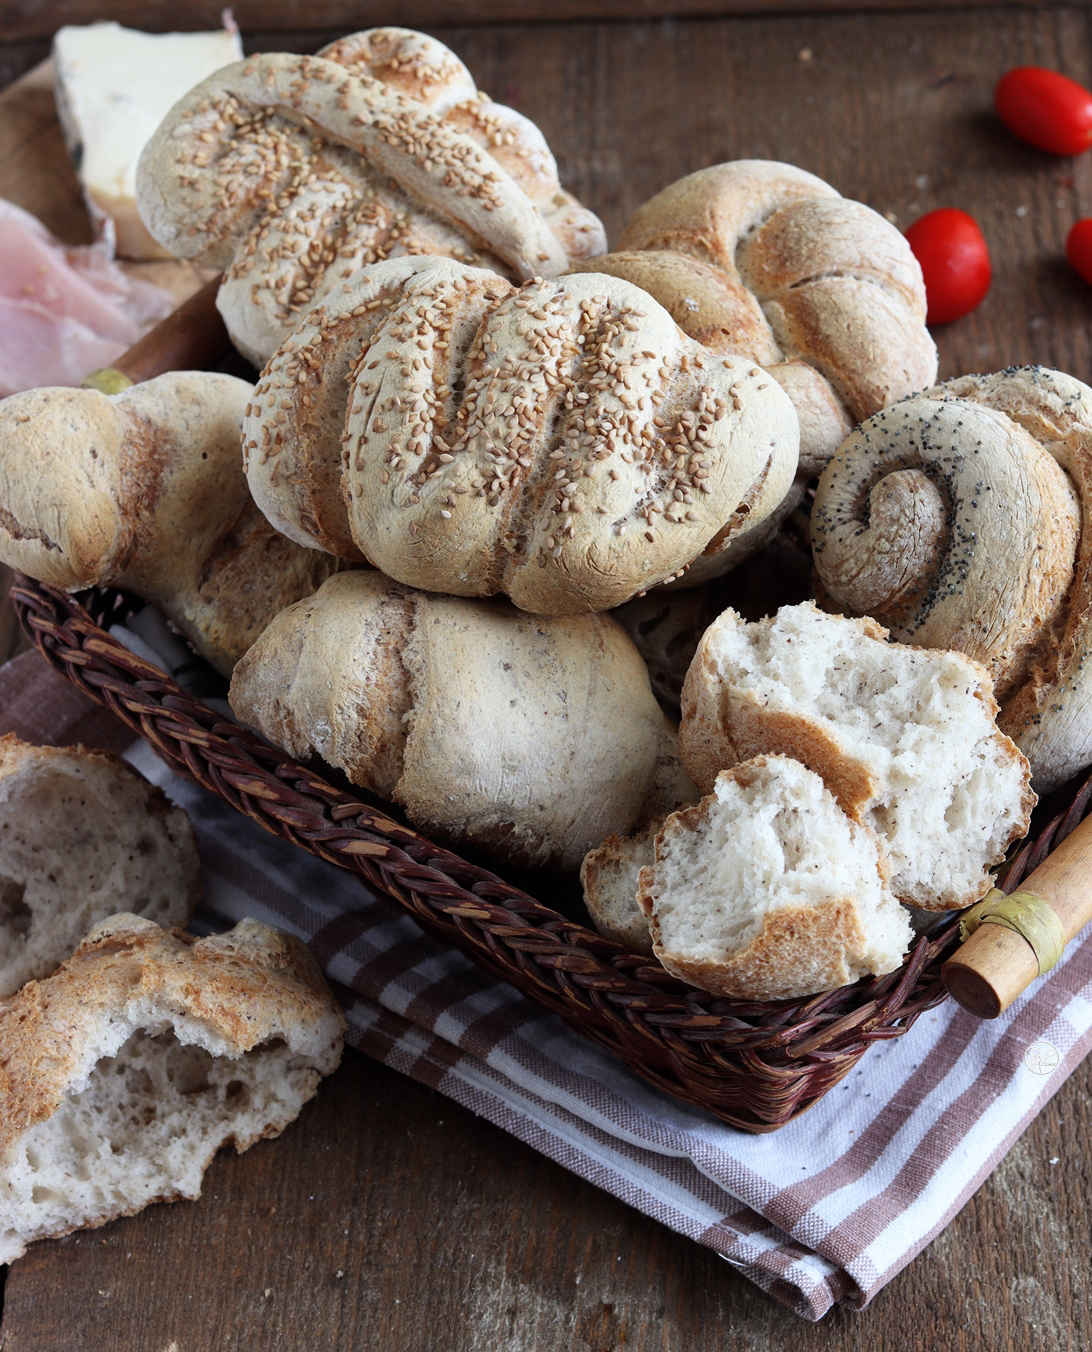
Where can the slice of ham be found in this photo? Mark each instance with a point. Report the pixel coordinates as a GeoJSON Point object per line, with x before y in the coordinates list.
{"type": "Point", "coordinates": [64, 311]}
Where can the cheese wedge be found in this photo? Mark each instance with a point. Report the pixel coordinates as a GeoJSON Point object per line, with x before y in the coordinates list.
{"type": "Point", "coordinates": [114, 86]}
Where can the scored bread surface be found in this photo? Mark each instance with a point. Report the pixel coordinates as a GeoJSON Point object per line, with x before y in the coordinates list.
{"type": "Point", "coordinates": [996, 563]}
{"type": "Point", "coordinates": [562, 442]}
{"type": "Point", "coordinates": [759, 258]}
{"type": "Point", "coordinates": [145, 490]}
{"type": "Point", "coordinates": [292, 172]}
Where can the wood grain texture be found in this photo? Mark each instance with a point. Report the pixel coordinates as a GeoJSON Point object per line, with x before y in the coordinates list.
{"type": "Point", "coordinates": [35, 18]}
{"type": "Point", "coordinates": [388, 1217]}
{"type": "Point", "coordinates": [447, 1232]}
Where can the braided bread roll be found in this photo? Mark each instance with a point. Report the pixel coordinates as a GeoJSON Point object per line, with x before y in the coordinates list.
{"type": "Point", "coordinates": [955, 518]}
{"type": "Point", "coordinates": [532, 738]}
{"type": "Point", "coordinates": [144, 490]}
{"type": "Point", "coordinates": [291, 172]}
{"type": "Point", "coordinates": [562, 442]}
{"type": "Point", "coordinates": [761, 259]}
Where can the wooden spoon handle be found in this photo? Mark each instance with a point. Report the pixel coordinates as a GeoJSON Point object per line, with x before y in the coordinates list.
{"type": "Point", "coordinates": [995, 964]}
{"type": "Point", "coordinates": [191, 338]}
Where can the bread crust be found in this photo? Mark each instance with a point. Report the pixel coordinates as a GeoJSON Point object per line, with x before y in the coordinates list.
{"type": "Point", "coordinates": [817, 941]}
{"type": "Point", "coordinates": [798, 950]}
{"type": "Point", "coordinates": [144, 490]}
{"type": "Point", "coordinates": [727, 717]}
{"type": "Point", "coordinates": [534, 738]}
{"type": "Point", "coordinates": [996, 563]}
{"type": "Point", "coordinates": [293, 171]}
{"type": "Point", "coordinates": [82, 832]}
{"type": "Point", "coordinates": [233, 995]}
{"type": "Point", "coordinates": [762, 259]}
{"type": "Point", "coordinates": [562, 443]}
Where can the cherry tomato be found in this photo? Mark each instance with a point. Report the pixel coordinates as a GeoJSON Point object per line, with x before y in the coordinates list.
{"type": "Point", "coordinates": [1078, 248]}
{"type": "Point", "coordinates": [954, 262]}
{"type": "Point", "coordinates": [1046, 109]}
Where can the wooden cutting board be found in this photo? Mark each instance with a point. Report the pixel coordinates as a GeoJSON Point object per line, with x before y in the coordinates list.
{"type": "Point", "coordinates": [36, 173]}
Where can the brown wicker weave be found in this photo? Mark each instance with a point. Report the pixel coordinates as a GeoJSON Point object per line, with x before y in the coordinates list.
{"type": "Point", "coordinates": [754, 1065]}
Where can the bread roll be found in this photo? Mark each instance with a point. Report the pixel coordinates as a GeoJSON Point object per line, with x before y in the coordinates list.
{"type": "Point", "coordinates": [563, 442]}
{"type": "Point", "coordinates": [533, 738]}
{"type": "Point", "coordinates": [127, 1070]}
{"type": "Point", "coordinates": [961, 519]}
{"type": "Point", "coordinates": [766, 890]}
{"type": "Point", "coordinates": [145, 491]}
{"type": "Point", "coordinates": [291, 172]}
{"type": "Point", "coordinates": [762, 260]}
{"type": "Point", "coordinates": [904, 738]}
{"type": "Point", "coordinates": [82, 833]}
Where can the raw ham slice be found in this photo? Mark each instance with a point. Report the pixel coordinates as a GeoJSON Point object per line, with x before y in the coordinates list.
{"type": "Point", "coordinates": [63, 311]}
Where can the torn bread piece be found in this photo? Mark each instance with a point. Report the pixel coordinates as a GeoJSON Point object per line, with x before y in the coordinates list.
{"type": "Point", "coordinates": [766, 890]}
{"type": "Point", "coordinates": [608, 874]}
{"type": "Point", "coordinates": [82, 834]}
{"type": "Point", "coordinates": [905, 738]}
{"type": "Point", "coordinates": [127, 1070]}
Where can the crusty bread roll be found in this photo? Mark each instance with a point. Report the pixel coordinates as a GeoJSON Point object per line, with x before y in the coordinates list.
{"type": "Point", "coordinates": [291, 172]}
{"type": "Point", "coordinates": [82, 833]}
{"type": "Point", "coordinates": [962, 518]}
{"type": "Point", "coordinates": [766, 889]}
{"type": "Point", "coordinates": [145, 491]}
{"type": "Point", "coordinates": [533, 738]}
{"type": "Point", "coordinates": [126, 1070]}
{"type": "Point", "coordinates": [562, 442]}
{"type": "Point", "coordinates": [760, 259]}
{"type": "Point", "coordinates": [904, 738]}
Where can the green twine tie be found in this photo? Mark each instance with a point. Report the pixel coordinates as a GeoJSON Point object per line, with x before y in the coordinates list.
{"type": "Point", "coordinates": [1029, 915]}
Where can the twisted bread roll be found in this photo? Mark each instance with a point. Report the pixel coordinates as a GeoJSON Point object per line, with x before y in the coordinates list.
{"type": "Point", "coordinates": [960, 520]}
{"type": "Point", "coordinates": [761, 259]}
{"type": "Point", "coordinates": [562, 442]}
{"type": "Point", "coordinates": [144, 490]}
{"type": "Point", "coordinates": [291, 172]}
{"type": "Point", "coordinates": [529, 737]}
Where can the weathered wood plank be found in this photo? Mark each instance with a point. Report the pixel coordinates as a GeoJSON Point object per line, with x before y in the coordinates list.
{"type": "Point", "coordinates": [388, 1217]}
{"type": "Point", "coordinates": [36, 18]}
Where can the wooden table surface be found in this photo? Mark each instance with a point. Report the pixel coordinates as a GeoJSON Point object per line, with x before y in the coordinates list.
{"type": "Point", "coordinates": [387, 1217]}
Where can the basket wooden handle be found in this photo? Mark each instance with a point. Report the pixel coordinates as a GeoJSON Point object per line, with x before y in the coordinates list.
{"type": "Point", "coordinates": [995, 964]}
{"type": "Point", "coordinates": [191, 338]}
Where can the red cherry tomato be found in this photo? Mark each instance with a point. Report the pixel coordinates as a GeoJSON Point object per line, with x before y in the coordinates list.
{"type": "Point", "coordinates": [1045, 109]}
{"type": "Point", "coordinates": [1078, 248]}
{"type": "Point", "coordinates": [954, 262]}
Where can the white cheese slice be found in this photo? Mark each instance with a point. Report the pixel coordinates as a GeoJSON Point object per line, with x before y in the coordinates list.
{"type": "Point", "coordinates": [114, 86]}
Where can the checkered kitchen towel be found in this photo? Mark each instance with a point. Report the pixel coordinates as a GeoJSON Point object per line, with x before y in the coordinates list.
{"type": "Point", "coordinates": [827, 1209]}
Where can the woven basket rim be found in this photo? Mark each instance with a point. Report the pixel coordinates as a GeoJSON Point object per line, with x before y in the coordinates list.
{"type": "Point", "coordinates": [690, 1039]}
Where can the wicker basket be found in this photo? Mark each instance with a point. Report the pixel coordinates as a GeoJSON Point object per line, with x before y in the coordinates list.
{"type": "Point", "coordinates": [754, 1065]}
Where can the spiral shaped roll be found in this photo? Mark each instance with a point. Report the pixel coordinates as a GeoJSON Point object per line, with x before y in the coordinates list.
{"type": "Point", "coordinates": [763, 260]}
{"type": "Point", "coordinates": [958, 519]}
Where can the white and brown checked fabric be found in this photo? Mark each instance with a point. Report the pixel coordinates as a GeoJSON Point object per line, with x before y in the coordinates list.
{"type": "Point", "coordinates": [828, 1209]}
